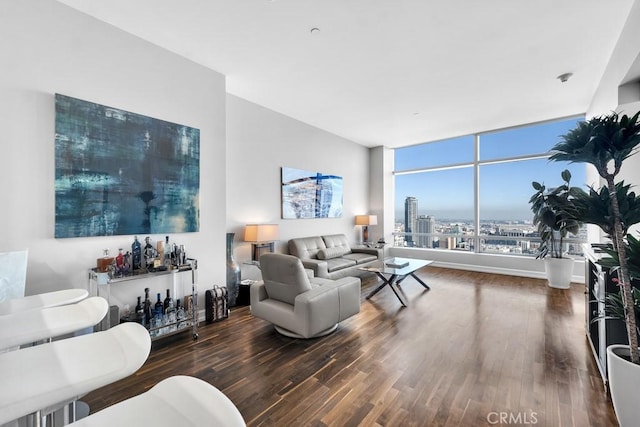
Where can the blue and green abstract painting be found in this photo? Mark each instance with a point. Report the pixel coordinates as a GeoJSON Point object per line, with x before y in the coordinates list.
{"type": "Point", "coordinates": [118, 172]}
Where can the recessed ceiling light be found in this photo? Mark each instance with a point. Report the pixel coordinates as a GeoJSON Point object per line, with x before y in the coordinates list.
{"type": "Point", "coordinates": [315, 30]}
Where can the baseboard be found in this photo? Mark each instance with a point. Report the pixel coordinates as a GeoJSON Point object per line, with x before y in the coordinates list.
{"type": "Point", "coordinates": [498, 270]}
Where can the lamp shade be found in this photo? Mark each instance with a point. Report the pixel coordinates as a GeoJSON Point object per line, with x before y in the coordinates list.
{"type": "Point", "coordinates": [366, 219]}
{"type": "Point", "coordinates": [261, 232]}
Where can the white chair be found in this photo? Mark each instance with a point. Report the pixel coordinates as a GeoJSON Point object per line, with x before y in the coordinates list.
{"type": "Point", "coordinates": [40, 301]}
{"type": "Point", "coordinates": [25, 327]}
{"type": "Point", "coordinates": [13, 274]}
{"type": "Point", "coordinates": [175, 401]}
{"type": "Point", "coordinates": [40, 379]}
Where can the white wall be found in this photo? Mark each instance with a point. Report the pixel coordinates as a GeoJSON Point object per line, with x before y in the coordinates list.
{"type": "Point", "coordinates": [261, 141]}
{"type": "Point", "coordinates": [622, 69]}
{"type": "Point", "coordinates": [382, 193]}
{"type": "Point", "coordinates": [47, 48]}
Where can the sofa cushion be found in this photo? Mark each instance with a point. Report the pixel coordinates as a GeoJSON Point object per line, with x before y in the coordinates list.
{"type": "Point", "coordinates": [360, 258]}
{"type": "Point", "coordinates": [329, 253]}
{"type": "Point", "coordinates": [337, 241]}
{"type": "Point", "coordinates": [284, 277]}
{"type": "Point", "coordinates": [306, 247]}
{"type": "Point", "coordinates": [339, 263]}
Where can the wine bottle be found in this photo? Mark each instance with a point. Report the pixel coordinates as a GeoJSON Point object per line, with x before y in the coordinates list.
{"type": "Point", "coordinates": [148, 312]}
{"type": "Point", "coordinates": [136, 253]}
{"type": "Point", "coordinates": [168, 302]}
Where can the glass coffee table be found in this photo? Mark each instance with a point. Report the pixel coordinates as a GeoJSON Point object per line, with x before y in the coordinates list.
{"type": "Point", "coordinates": [393, 271]}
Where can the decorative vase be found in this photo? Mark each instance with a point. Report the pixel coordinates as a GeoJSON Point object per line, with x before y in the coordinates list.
{"type": "Point", "coordinates": [624, 378]}
{"type": "Point", "coordinates": [233, 272]}
{"type": "Point", "coordinates": [559, 271]}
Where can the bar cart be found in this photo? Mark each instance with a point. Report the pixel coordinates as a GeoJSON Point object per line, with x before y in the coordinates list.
{"type": "Point", "coordinates": [100, 285]}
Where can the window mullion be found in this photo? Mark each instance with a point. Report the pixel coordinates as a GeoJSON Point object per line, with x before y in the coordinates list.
{"type": "Point", "coordinates": [476, 193]}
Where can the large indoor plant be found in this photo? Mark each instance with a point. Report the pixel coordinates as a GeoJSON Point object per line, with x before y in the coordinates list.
{"type": "Point", "coordinates": [605, 142]}
{"type": "Point", "coordinates": [623, 375]}
{"type": "Point", "coordinates": [553, 216]}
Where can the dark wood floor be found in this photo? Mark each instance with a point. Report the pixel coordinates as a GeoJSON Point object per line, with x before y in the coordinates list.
{"type": "Point", "coordinates": [475, 346]}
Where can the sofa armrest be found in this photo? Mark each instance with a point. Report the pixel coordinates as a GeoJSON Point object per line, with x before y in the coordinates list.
{"type": "Point", "coordinates": [319, 267]}
{"type": "Point", "coordinates": [372, 251]}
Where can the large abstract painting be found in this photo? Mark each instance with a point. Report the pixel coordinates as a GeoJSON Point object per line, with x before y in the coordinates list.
{"type": "Point", "coordinates": [118, 172]}
{"type": "Point", "coordinates": [310, 194]}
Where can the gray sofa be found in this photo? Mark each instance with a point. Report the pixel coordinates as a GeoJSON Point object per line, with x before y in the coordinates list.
{"type": "Point", "coordinates": [331, 256]}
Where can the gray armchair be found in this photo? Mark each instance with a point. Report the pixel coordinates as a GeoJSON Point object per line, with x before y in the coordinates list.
{"type": "Point", "coordinates": [300, 306]}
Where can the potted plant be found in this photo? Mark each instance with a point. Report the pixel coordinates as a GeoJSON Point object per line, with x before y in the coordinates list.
{"type": "Point", "coordinates": [605, 142]}
{"type": "Point", "coordinates": [553, 216]}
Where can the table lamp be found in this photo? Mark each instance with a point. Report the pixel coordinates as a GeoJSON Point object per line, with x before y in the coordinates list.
{"type": "Point", "coordinates": [365, 221]}
{"type": "Point", "coordinates": [261, 237]}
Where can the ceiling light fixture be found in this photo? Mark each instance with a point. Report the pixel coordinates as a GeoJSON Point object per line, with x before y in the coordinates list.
{"type": "Point", "coordinates": [564, 77]}
{"type": "Point", "coordinates": [315, 30]}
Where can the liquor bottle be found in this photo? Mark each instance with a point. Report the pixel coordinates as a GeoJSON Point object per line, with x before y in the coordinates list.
{"type": "Point", "coordinates": [105, 262]}
{"type": "Point", "coordinates": [159, 308]}
{"type": "Point", "coordinates": [159, 254]}
{"type": "Point", "coordinates": [180, 315]}
{"type": "Point", "coordinates": [168, 302]}
{"type": "Point", "coordinates": [183, 256]}
{"type": "Point", "coordinates": [170, 312]}
{"type": "Point", "coordinates": [139, 310]}
{"type": "Point", "coordinates": [148, 311]}
{"type": "Point", "coordinates": [136, 254]}
{"type": "Point", "coordinates": [167, 252]}
{"type": "Point", "coordinates": [149, 253]}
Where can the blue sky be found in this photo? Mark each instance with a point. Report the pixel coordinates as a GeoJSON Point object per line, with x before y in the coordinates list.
{"type": "Point", "coordinates": [505, 188]}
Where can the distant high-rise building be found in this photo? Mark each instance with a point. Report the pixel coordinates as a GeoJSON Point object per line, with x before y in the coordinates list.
{"type": "Point", "coordinates": [425, 224]}
{"type": "Point", "coordinates": [410, 217]}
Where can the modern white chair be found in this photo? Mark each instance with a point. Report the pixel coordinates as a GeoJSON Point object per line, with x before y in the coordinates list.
{"type": "Point", "coordinates": [175, 401]}
{"type": "Point", "coordinates": [26, 327]}
{"type": "Point", "coordinates": [39, 380]}
{"type": "Point", "coordinates": [40, 301]}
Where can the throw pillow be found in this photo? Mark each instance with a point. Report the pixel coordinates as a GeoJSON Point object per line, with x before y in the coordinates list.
{"type": "Point", "coordinates": [329, 253]}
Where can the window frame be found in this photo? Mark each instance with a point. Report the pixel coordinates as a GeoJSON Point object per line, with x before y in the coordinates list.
{"type": "Point", "coordinates": [476, 165]}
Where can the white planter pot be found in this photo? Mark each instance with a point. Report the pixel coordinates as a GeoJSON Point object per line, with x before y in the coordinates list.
{"type": "Point", "coordinates": [559, 272]}
{"type": "Point", "coordinates": [624, 380]}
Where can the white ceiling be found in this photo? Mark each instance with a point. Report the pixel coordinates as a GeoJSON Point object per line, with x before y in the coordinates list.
{"type": "Point", "coordinates": [390, 72]}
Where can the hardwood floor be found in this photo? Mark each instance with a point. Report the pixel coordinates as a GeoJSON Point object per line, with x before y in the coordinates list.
{"type": "Point", "coordinates": [476, 350]}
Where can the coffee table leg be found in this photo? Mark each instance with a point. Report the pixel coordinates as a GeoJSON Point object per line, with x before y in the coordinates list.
{"type": "Point", "coordinates": [390, 283]}
{"type": "Point", "coordinates": [420, 281]}
{"type": "Point", "coordinates": [393, 288]}
{"type": "Point", "coordinates": [385, 282]}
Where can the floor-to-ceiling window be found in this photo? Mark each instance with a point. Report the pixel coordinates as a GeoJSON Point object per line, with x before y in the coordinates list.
{"type": "Point", "coordinates": [472, 193]}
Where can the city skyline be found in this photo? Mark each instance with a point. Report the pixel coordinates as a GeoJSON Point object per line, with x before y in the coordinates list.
{"type": "Point", "coordinates": [504, 187]}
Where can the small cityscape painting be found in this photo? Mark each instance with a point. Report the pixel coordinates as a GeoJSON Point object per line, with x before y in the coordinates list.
{"type": "Point", "coordinates": [310, 194]}
{"type": "Point", "coordinates": [118, 172]}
